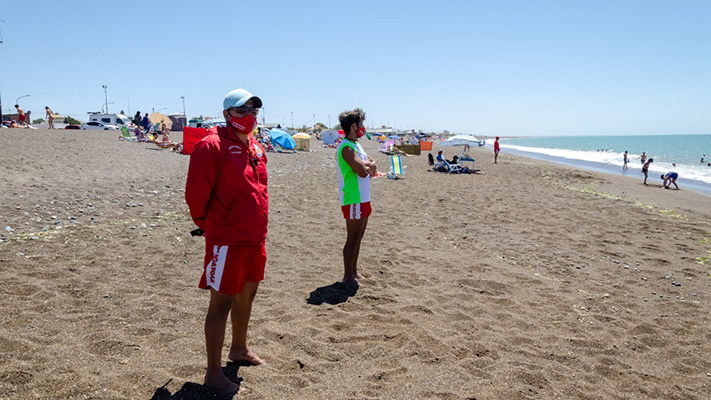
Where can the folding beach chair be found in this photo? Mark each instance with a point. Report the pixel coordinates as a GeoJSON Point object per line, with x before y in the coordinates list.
{"type": "Point", "coordinates": [396, 167]}
{"type": "Point", "coordinates": [453, 168]}
{"type": "Point", "coordinates": [126, 135]}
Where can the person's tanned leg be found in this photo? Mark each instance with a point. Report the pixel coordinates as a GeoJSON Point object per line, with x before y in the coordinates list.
{"type": "Point", "coordinates": [241, 311]}
{"type": "Point", "coordinates": [355, 229]}
{"type": "Point", "coordinates": [215, 323]}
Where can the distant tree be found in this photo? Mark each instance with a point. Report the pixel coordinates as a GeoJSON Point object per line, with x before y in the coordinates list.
{"type": "Point", "coordinates": [37, 121]}
{"type": "Point", "coordinates": [319, 127]}
{"type": "Point", "coordinates": [71, 121]}
{"type": "Point", "coordinates": [337, 127]}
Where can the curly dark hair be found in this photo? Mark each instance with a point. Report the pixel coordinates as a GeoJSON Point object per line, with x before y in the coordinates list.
{"type": "Point", "coordinates": [348, 118]}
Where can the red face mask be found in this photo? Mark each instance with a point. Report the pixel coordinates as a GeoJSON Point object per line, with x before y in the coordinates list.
{"type": "Point", "coordinates": [361, 131]}
{"type": "Point", "coordinates": [244, 124]}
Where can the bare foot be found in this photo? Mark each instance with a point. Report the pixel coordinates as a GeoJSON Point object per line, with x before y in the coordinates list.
{"type": "Point", "coordinates": [220, 383]}
{"type": "Point", "coordinates": [245, 356]}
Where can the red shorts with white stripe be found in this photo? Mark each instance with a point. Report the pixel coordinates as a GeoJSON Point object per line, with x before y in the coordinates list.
{"type": "Point", "coordinates": [227, 268]}
{"type": "Point", "coordinates": [357, 211]}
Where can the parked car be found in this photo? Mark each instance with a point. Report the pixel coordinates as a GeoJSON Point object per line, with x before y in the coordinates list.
{"type": "Point", "coordinates": [99, 125]}
{"type": "Point", "coordinates": [72, 127]}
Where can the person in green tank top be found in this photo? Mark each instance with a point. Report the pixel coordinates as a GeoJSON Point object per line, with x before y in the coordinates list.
{"type": "Point", "coordinates": [356, 168]}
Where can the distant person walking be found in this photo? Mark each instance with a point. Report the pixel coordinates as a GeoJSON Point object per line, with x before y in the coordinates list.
{"type": "Point", "coordinates": [137, 118]}
{"type": "Point", "coordinates": [20, 115]}
{"type": "Point", "coordinates": [668, 179]}
{"type": "Point", "coordinates": [702, 158]}
{"type": "Point", "coordinates": [645, 169]}
{"type": "Point", "coordinates": [497, 149]}
{"type": "Point", "coordinates": [356, 168]}
{"type": "Point", "coordinates": [643, 157]}
{"type": "Point", "coordinates": [625, 160]}
{"type": "Point", "coordinates": [50, 116]}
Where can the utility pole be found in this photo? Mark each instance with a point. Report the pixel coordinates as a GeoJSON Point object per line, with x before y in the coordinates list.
{"type": "Point", "coordinates": [184, 114]}
{"type": "Point", "coordinates": [106, 98]}
{"type": "Point", "coordinates": [292, 120]}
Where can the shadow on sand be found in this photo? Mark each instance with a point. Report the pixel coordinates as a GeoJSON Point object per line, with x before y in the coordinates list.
{"type": "Point", "coordinates": [194, 391]}
{"type": "Point", "coordinates": [335, 293]}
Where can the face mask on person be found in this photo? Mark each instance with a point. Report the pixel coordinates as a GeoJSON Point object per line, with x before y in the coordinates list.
{"type": "Point", "coordinates": [244, 125]}
{"type": "Point", "coordinates": [361, 131]}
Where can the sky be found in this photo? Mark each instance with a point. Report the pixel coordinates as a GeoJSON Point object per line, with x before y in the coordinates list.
{"type": "Point", "coordinates": [506, 67]}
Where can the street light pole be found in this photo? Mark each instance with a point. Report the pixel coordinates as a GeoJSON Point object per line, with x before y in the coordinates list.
{"type": "Point", "coordinates": [314, 120]}
{"type": "Point", "coordinates": [18, 99]}
{"type": "Point", "coordinates": [106, 98]}
{"type": "Point", "coordinates": [292, 120]}
{"type": "Point", "coordinates": [184, 114]}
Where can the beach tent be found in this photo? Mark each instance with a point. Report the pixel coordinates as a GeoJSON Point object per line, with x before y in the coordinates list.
{"type": "Point", "coordinates": [461, 140]}
{"type": "Point", "coordinates": [282, 138]}
{"type": "Point", "coordinates": [158, 118]}
{"type": "Point", "coordinates": [329, 137]}
{"type": "Point", "coordinates": [191, 136]}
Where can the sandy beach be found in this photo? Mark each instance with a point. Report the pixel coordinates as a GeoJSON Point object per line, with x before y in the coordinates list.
{"type": "Point", "coordinates": [528, 281]}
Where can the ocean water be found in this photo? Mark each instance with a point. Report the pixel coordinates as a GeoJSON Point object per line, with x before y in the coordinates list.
{"type": "Point", "coordinates": [685, 151]}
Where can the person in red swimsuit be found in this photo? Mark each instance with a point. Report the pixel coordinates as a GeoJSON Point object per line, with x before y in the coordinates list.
{"type": "Point", "coordinates": [497, 149]}
{"type": "Point", "coordinates": [22, 116]}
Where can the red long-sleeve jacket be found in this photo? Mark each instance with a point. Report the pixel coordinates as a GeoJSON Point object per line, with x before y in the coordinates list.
{"type": "Point", "coordinates": [226, 189]}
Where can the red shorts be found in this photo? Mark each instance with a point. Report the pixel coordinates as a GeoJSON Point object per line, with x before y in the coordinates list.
{"type": "Point", "coordinates": [227, 268]}
{"type": "Point", "coordinates": [22, 118]}
{"type": "Point", "coordinates": [357, 211]}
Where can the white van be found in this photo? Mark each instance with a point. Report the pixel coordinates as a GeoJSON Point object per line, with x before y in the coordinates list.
{"type": "Point", "coordinates": [112, 119]}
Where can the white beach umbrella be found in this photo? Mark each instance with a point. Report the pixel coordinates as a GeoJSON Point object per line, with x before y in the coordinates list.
{"type": "Point", "coordinates": [461, 140]}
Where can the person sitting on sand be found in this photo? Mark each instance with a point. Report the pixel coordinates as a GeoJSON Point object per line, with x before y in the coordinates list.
{"type": "Point", "coordinates": [645, 169]}
{"type": "Point", "coordinates": [668, 179]}
{"type": "Point", "coordinates": [139, 134]}
{"type": "Point", "coordinates": [165, 142]}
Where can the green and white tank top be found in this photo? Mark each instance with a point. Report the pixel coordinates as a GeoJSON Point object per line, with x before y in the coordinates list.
{"type": "Point", "coordinates": [353, 188]}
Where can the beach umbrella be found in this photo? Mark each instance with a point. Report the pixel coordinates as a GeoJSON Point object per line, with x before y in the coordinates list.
{"type": "Point", "coordinates": [396, 137]}
{"type": "Point", "coordinates": [158, 118]}
{"type": "Point", "coordinates": [386, 145]}
{"type": "Point", "coordinates": [329, 136]}
{"type": "Point", "coordinates": [301, 135]}
{"type": "Point", "coordinates": [282, 138]}
{"type": "Point", "coordinates": [462, 140]}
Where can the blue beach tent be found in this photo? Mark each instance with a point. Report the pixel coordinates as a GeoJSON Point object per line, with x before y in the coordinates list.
{"type": "Point", "coordinates": [282, 138]}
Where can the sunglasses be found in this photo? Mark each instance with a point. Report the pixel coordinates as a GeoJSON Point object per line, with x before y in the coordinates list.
{"type": "Point", "coordinates": [244, 110]}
